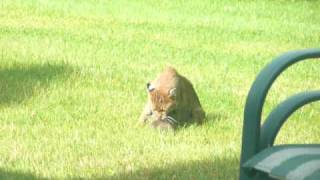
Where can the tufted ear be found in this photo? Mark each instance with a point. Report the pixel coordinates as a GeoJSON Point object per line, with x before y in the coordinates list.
{"type": "Point", "coordinates": [173, 92]}
{"type": "Point", "coordinates": [150, 87]}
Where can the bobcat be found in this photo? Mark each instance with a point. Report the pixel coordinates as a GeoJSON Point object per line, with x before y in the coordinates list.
{"type": "Point", "coordinates": [172, 101]}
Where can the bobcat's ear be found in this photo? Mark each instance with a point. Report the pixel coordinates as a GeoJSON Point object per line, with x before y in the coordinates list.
{"type": "Point", "coordinates": [173, 92]}
{"type": "Point", "coordinates": [150, 87]}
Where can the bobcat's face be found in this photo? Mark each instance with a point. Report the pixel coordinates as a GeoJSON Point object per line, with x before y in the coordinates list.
{"type": "Point", "coordinates": [163, 102]}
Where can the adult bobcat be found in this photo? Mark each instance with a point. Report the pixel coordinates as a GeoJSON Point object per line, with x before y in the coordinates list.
{"type": "Point", "coordinates": [172, 101]}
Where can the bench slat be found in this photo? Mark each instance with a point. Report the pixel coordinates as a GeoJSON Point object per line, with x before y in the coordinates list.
{"type": "Point", "coordinates": [314, 176]}
{"type": "Point", "coordinates": [288, 161]}
{"type": "Point", "coordinates": [298, 167]}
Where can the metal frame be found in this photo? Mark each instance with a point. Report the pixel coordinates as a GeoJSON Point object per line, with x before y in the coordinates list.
{"type": "Point", "coordinates": [256, 137]}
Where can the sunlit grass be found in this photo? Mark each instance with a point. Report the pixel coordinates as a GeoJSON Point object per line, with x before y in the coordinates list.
{"type": "Point", "coordinates": [73, 73]}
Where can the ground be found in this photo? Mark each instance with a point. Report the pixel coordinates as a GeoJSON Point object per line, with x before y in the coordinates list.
{"type": "Point", "coordinates": [73, 74]}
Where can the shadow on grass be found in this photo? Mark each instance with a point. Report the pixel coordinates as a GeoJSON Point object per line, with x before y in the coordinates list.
{"type": "Point", "coordinates": [210, 118]}
{"type": "Point", "coordinates": [213, 117]}
{"type": "Point", "coordinates": [19, 82]}
{"type": "Point", "coordinates": [15, 175]}
{"type": "Point", "coordinates": [222, 169]}
{"type": "Point", "coordinates": [216, 169]}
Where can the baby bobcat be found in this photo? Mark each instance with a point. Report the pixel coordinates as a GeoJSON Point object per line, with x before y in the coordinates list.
{"type": "Point", "coordinates": [172, 101]}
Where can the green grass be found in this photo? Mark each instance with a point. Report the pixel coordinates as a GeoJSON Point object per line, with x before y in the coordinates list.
{"type": "Point", "coordinates": [73, 73]}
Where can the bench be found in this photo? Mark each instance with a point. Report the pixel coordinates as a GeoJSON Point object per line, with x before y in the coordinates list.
{"type": "Point", "coordinates": [260, 158]}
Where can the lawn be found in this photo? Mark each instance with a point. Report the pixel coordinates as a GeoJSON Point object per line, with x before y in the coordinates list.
{"type": "Point", "coordinates": [73, 75]}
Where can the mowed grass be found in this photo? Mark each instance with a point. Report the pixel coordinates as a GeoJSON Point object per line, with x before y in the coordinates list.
{"type": "Point", "coordinates": [73, 74]}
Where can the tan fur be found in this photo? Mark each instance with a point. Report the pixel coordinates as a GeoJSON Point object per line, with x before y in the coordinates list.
{"type": "Point", "coordinates": [172, 102]}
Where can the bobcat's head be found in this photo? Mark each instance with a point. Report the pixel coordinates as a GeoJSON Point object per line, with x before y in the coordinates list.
{"type": "Point", "coordinates": [163, 101]}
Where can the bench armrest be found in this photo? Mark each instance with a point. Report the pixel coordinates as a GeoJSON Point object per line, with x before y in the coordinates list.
{"type": "Point", "coordinates": [280, 114]}
{"type": "Point", "coordinates": [257, 95]}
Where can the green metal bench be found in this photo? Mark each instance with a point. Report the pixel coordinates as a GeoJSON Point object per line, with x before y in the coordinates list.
{"type": "Point", "coordinates": [260, 158]}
